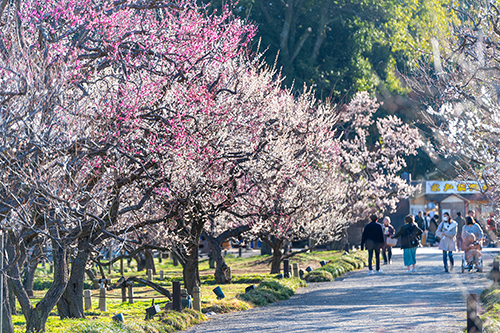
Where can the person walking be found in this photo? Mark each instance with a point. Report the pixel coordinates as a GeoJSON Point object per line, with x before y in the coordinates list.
{"type": "Point", "coordinates": [447, 231]}
{"type": "Point", "coordinates": [373, 239]}
{"type": "Point", "coordinates": [388, 232]}
{"type": "Point", "coordinates": [409, 234]}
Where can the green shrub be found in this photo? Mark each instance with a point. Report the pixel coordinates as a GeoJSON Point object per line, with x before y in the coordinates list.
{"type": "Point", "coordinates": [270, 291]}
{"type": "Point", "coordinates": [319, 276]}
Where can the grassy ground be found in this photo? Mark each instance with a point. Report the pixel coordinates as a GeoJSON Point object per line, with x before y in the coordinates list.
{"type": "Point", "coordinates": [267, 292]}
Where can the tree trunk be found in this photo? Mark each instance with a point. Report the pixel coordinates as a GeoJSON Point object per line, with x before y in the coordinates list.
{"type": "Point", "coordinates": [92, 278]}
{"type": "Point", "coordinates": [36, 316]}
{"type": "Point", "coordinates": [221, 269]}
{"type": "Point", "coordinates": [190, 267]}
{"type": "Point", "coordinates": [71, 303]}
{"type": "Point", "coordinates": [277, 256]}
{"type": "Point", "coordinates": [150, 262]}
{"type": "Point", "coordinates": [30, 270]}
{"type": "Point", "coordinates": [7, 326]}
{"type": "Point", "coordinates": [12, 301]}
{"type": "Point", "coordinates": [323, 21]}
{"type": "Point", "coordinates": [141, 262]}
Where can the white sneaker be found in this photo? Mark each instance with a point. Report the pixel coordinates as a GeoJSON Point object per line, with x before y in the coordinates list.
{"type": "Point", "coordinates": [414, 270]}
{"type": "Point", "coordinates": [370, 272]}
{"type": "Point", "coordinates": [379, 271]}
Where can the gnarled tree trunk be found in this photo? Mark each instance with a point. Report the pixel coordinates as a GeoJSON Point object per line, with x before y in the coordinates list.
{"type": "Point", "coordinates": [222, 275]}
{"type": "Point", "coordinates": [276, 245]}
{"type": "Point", "coordinates": [36, 316]}
{"type": "Point", "coordinates": [30, 270]}
{"type": "Point", "coordinates": [150, 262]}
{"type": "Point", "coordinates": [71, 303]}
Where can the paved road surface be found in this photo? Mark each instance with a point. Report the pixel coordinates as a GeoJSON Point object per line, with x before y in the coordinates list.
{"type": "Point", "coordinates": [427, 301]}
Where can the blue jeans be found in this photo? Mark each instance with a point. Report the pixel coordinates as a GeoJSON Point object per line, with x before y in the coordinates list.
{"type": "Point", "coordinates": [377, 259]}
{"type": "Point", "coordinates": [447, 254]}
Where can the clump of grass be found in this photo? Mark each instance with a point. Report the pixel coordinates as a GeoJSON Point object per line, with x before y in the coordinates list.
{"type": "Point", "coordinates": [319, 276]}
{"type": "Point", "coordinates": [271, 291]}
{"type": "Point", "coordinates": [225, 306]}
{"type": "Point", "coordinates": [180, 320]}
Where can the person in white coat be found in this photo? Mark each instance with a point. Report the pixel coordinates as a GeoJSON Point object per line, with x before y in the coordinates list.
{"type": "Point", "coordinates": [447, 231]}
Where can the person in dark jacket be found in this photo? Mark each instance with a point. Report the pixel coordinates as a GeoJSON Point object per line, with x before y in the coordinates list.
{"type": "Point", "coordinates": [409, 234]}
{"type": "Point", "coordinates": [373, 240]}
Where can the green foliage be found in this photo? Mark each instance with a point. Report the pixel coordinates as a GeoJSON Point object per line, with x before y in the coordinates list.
{"type": "Point", "coordinates": [340, 47]}
{"type": "Point", "coordinates": [337, 267]}
{"type": "Point", "coordinates": [319, 276]}
{"type": "Point", "coordinates": [491, 302]}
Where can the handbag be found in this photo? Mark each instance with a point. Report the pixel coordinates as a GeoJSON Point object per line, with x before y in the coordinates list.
{"type": "Point", "coordinates": [391, 241]}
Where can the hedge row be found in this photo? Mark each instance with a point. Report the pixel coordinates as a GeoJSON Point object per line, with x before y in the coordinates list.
{"type": "Point", "coordinates": [337, 267]}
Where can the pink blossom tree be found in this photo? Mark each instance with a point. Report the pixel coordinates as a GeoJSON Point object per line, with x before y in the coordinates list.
{"type": "Point", "coordinates": [80, 97]}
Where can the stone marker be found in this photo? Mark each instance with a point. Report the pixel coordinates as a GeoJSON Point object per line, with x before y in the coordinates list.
{"type": "Point", "coordinates": [88, 299]}
{"type": "Point", "coordinates": [197, 298]}
{"type": "Point", "coordinates": [102, 299]}
{"type": "Point", "coordinates": [295, 270]}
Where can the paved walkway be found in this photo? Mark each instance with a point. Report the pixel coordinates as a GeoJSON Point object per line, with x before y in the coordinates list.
{"type": "Point", "coordinates": [427, 301]}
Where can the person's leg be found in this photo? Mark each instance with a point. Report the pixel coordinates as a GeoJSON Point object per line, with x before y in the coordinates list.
{"type": "Point", "coordinates": [370, 257]}
{"type": "Point", "coordinates": [377, 259]}
{"type": "Point", "coordinates": [389, 254]}
{"type": "Point", "coordinates": [384, 255]}
{"type": "Point", "coordinates": [452, 260]}
{"type": "Point", "coordinates": [414, 258]}
{"type": "Point", "coordinates": [445, 261]}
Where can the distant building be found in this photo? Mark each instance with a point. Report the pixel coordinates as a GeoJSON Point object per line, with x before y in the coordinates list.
{"type": "Point", "coordinates": [438, 197]}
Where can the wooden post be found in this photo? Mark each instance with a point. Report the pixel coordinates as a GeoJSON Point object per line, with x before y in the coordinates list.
{"type": "Point", "coordinates": [160, 254]}
{"type": "Point", "coordinates": [88, 299]}
{"type": "Point", "coordinates": [295, 270]}
{"type": "Point", "coordinates": [286, 268]}
{"type": "Point", "coordinates": [176, 295]}
{"type": "Point", "coordinates": [150, 275]}
{"type": "Point", "coordinates": [162, 276]}
{"type": "Point", "coordinates": [124, 293]}
{"type": "Point", "coordinates": [102, 298]}
{"type": "Point", "coordinates": [110, 257]}
{"type": "Point", "coordinates": [197, 298]}
{"type": "Point", "coordinates": [474, 324]}
{"type": "Point", "coordinates": [239, 252]}
{"type": "Point", "coordinates": [131, 293]}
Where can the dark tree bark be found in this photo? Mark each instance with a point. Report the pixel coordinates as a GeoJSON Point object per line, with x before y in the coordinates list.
{"type": "Point", "coordinates": [12, 301]}
{"type": "Point", "coordinates": [71, 303]}
{"type": "Point", "coordinates": [190, 271]}
{"type": "Point", "coordinates": [30, 270]}
{"type": "Point", "coordinates": [92, 278]}
{"type": "Point", "coordinates": [7, 326]}
{"type": "Point", "coordinates": [188, 255]}
{"type": "Point", "coordinates": [276, 245]}
{"type": "Point", "coordinates": [141, 262]}
{"type": "Point", "coordinates": [149, 259]}
{"type": "Point", "coordinates": [222, 275]}
{"type": "Point", "coordinates": [36, 316]}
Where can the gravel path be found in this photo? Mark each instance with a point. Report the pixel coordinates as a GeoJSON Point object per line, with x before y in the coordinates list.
{"type": "Point", "coordinates": [427, 301]}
